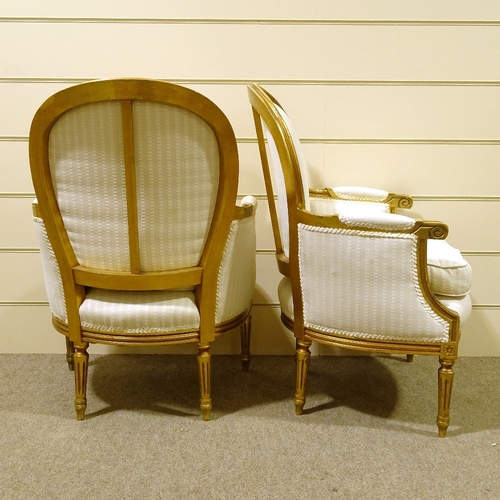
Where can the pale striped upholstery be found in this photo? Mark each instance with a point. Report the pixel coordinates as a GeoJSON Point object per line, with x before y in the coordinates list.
{"type": "Point", "coordinates": [333, 206]}
{"type": "Point", "coordinates": [88, 170]}
{"type": "Point", "coordinates": [359, 275]}
{"type": "Point", "coordinates": [173, 224]}
{"type": "Point", "coordinates": [300, 155]}
{"type": "Point", "coordinates": [369, 290]}
{"type": "Point", "coordinates": [173, 221]}
{"type": "Point", "coordinates": [153, 312]}
{"type": "Point", "coordinates": [53, 281]}
{"type": "Point", "coordinates": [236, 281]}
{"type": "Point", "coordinates": [449, 273]}
{"type": "Point", "coordinates": [278, 188]}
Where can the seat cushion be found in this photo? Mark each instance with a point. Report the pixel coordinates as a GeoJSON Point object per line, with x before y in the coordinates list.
{"type": "Point", "coordinates": [139, 313]}
{"type": "Point", "coordinates": [450, 275]}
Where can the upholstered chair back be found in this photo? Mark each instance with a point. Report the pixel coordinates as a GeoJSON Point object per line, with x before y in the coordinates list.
{"type": "Point", "coordinates": [175, 154]}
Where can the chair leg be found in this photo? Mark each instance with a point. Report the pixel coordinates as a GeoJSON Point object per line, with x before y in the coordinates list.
{"type": "Point", "coordinates": [302, 358]}
{"type": "Point", "coordinates": [445, 383]}
{"type": "Point", "coordinates": [245, 333]}
{"type": "Point", "coordinates": [70, 351]}
{"type": "Point", "coordinates": [81, 359]}
{"type": "Point", "coordinates": [204, 372]}
{"type": "Point", "coordinates": [409, 358]}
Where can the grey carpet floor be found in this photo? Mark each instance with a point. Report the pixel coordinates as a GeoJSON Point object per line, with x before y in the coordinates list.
{"type": "Point", "coordinates": [368, 430]}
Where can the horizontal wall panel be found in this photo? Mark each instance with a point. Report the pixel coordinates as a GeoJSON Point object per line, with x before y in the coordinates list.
{"type": "Point", "coordinates": [485, 278]}
{"type": "Point", "coordinates": [15, 174]}
{"type": "Point", "coordinates": [251, 178]}
{"type": "Point", "coordinates": [472, 224]}
{"type": "Point", "coordinates": [480, 334]}
{"type": "Point", "coordinates": [28, 329]}
{"type": "Point", "coordinates": [22, 277]}
{"type": "Point", "coordinates": [16, 120]}
{"type": "Point", "coordinates": [250, 51]}
{"type": "Point", "coordinates": [415, 169]}
{"type": "Point", "coordinates": [390, 111]}
{"type": "Point", "coordinates": [320, 111]}
{"type": "Point", "coordinates": [16, 223]}
{"type": "Point", "coordinates": [292, 9]}
{"type": "Point", "coordinates": [268, 278]}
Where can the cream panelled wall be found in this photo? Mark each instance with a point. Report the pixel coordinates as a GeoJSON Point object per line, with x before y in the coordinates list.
{"type": "Point", "coordinates": [404, 96]}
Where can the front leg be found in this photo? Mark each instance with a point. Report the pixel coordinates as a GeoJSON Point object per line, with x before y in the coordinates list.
{"type": "Point", "coordinates": [205, 375]}
{"type": "Point", "coordinates": [303, 356]}
{"type": "Point", "coordinates": [445, 384]}
{"type": "Point", "coordinates": [81, 359]}
{"type": "Point", "coordinates": [245, 331]}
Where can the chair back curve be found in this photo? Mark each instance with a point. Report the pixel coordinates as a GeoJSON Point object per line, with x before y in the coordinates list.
{"type": "Point", "coordinates": [282, 158]}
{"type": "Point", "coordinates": [110, 154]}
{"type": "Point", "coordinates": [136, 182]}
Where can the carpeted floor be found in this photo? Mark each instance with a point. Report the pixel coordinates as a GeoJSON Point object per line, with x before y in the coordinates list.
{"type": "Point", "coordinates": [368, 430]}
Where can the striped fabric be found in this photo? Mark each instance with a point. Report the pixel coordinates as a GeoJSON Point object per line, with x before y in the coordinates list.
{"type": "Point", "coordinates": [87, 167]}
{"type": "Point", "coordinates": [278, 188]}
{"type": "Point", "coordinates": [149, 313]}
{"type": "Point", "coordinates": [300, 155]}
{"type": "Point", "coordinates": [53, 281]}
{"type": "Point", "coordinates": [136, 313]}
{"type": "Point", "coordinates": [369, 288]}
{"type": "Point", "coordinates": [88, 170]}
{"type": "Point", "coordinates": [450, 274]}
{"type": "Point", "coordinates": [236, 281]}
{"type": "Point", "coordinates": [176, 156]}
{"type": "Point", "coordinates": [332, 206]}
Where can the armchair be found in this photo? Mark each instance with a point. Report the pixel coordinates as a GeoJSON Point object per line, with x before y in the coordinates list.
{"type": "Point", "coordinates": [141, 240]}
{"type": "Point", "coordinates": [357, 274]}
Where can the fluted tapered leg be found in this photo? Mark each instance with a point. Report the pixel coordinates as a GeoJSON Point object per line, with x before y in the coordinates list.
{"type": "Point", "coordinates": [445, 383]}
{"type": "Point", "coordinates": [70, 351]}
{"type": "Point", "coordinates": [81, 359]}
{"type": "Point", "coordinates": [302, 357]}
{"type": "Point", "coordinates": [245, 331]}
{"type": "Point", "coordinates": [204, 371]}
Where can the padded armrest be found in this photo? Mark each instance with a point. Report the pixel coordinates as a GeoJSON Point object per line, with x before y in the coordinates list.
{"type": "Point", "coordinates": [384, 221]}
{"type": "Point", "coordinates": [246, 208]}
{"type": "Point", "coordinates": [356, 193]}
{"type": "Point", "coordinates": [363, 195]}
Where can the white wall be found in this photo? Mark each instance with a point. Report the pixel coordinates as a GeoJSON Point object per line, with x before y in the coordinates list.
{"type": "Point", "coordinates": [399, 95]}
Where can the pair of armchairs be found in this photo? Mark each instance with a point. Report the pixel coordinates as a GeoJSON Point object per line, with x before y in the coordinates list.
{"type": "Point", "coordinates": [142, 242]}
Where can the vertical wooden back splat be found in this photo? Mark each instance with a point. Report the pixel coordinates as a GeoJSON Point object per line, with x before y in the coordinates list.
{"type": "Point", "coordinates": [130, 178]}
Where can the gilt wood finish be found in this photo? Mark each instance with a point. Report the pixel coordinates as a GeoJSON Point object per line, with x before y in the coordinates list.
{"type": "Point", "coordinates": [264, 110]}
{"type": "Point", "coordinates": [75, 278]}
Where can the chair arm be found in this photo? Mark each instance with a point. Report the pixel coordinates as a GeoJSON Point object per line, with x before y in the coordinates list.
{"type": "Point", "coordinates": [236, 280]}
{"type": "Point", "coordinates": [51, 272]}
{"type": "Point", "coordinates": [382, 221]}
{"type": "Point", "coordinates": [364, 195]}
{"type": "Point", "coordinates": [246, 208]}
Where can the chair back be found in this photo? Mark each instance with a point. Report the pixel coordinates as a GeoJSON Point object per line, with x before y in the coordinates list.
{"type": "Point", "coordinates": [136, 182]}
{"type": "Point", "coordinates": [282, 156]}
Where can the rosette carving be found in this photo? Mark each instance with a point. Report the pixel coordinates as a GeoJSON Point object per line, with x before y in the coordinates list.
{"type": "Point", "coordinates": [438, 233]}
{"type": "Point", "coordinates": [405, 202]}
